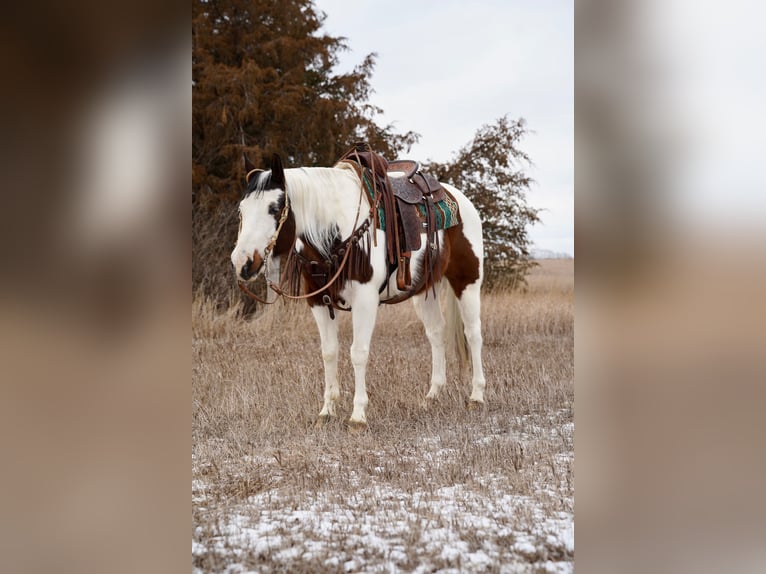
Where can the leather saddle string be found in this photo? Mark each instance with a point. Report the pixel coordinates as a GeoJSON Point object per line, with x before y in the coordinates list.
{"type": "Point", "coordinates": [431, 236]}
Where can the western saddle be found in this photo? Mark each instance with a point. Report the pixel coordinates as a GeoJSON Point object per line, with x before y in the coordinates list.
{"type": "Point", "coordinates": [399, 187]}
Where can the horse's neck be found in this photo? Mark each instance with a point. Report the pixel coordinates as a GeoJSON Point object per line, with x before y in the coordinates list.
{"type": "Point", "coordinates": [324, 201]}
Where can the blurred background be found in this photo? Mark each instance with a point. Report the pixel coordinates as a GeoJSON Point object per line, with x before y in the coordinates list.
{"type": "Point", "coordinates": [670, 244]}
{"type": "Point", "coordinates": [94, 297]}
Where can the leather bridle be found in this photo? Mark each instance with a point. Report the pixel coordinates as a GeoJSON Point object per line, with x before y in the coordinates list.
{"type": "Point", "coordinates": [267, 258]}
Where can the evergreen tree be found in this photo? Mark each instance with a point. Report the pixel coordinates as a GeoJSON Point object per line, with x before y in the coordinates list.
{"type": "Point", "coordinates": [263, 82]}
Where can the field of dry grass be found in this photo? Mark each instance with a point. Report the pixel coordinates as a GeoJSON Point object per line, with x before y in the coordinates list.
{"type": "Point", "coordinates": [443, 489]}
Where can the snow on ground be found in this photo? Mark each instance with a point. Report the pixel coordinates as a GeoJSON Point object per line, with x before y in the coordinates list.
{"type": "Point", "coordinates": [378, 527]}
{"type": "Point", "coordinates": [452, 529]}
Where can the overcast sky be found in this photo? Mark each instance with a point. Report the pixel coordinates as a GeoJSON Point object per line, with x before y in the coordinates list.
{"type": "Point", "coordinates": [445, 68]}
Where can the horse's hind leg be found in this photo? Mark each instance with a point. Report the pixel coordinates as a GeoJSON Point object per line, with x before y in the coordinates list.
{"type": "Point", "coordinates": [470, 310]}
{"type": "Point", "coordinates": [429, 311]}
{"type": "Point", "coordinates": [328, 334]}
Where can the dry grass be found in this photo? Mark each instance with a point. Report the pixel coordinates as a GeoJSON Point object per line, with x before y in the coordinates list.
{"type": "Point", "coordinates": [422, 490]}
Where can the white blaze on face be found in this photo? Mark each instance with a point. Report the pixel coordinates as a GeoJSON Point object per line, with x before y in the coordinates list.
{"type": "Point", "coordinates": [257, 226]}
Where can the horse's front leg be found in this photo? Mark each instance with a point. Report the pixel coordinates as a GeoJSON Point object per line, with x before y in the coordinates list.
{"type": "Point", "coordinates": [364, 312]}
{"type": "Point", "coordinates": [328, 333]}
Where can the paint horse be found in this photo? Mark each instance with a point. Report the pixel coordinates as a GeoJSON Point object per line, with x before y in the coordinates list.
{"type": "Point", "coordinates": [324, 225]}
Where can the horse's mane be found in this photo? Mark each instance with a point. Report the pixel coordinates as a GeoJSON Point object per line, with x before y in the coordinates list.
{"type": "Point", "coordinates": [325, 200]}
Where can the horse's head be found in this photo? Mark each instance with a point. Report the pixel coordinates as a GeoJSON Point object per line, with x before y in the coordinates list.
{"type": "Point", "coordinates": [261, 211]}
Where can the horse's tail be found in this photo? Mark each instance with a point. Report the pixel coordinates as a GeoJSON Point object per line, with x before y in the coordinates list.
{"type": "Point", "coordinates": [456, 342]}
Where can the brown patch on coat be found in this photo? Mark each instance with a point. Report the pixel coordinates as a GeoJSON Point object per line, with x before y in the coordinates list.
{"type": "Point", "coordinates": [286, 236]}
{"type": "Point", "coordinates": [257, 261]}
{"type": "Point", "coordinates": [462, 267]}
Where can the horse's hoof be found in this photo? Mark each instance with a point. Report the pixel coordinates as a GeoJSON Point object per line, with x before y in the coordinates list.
{"type": "Point", "coordinates": [323, 421]}
{"type": "Point", "coordinates": [356, 427]}
{"type": "Point", "coordinates": [475, 405]}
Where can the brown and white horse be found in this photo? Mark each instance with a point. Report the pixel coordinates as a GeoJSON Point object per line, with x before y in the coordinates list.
{"type": "Point", "coordinates": [307, 213]}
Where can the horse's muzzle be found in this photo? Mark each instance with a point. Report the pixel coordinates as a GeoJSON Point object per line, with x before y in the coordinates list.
{"type": "Point", "coordinates": [251, 267]}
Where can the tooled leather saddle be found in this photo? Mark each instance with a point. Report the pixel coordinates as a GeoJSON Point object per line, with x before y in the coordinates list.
{"type": "Point", "coordinates": [400, 189]}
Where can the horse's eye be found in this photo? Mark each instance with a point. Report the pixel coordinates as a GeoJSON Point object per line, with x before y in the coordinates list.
{"type": "Point", "coordinates": [274, 209]}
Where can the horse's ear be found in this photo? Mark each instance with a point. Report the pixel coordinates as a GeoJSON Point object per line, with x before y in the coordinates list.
{"type": "Point", "coordinates": [277, 172]}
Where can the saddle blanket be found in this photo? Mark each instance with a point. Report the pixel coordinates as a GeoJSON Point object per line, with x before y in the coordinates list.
{"type": "Point", "coordinates": [447, 212]}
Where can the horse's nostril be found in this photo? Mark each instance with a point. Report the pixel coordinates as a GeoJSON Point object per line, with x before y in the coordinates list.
{"type": "Point", "coordinates": [245, 272]}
